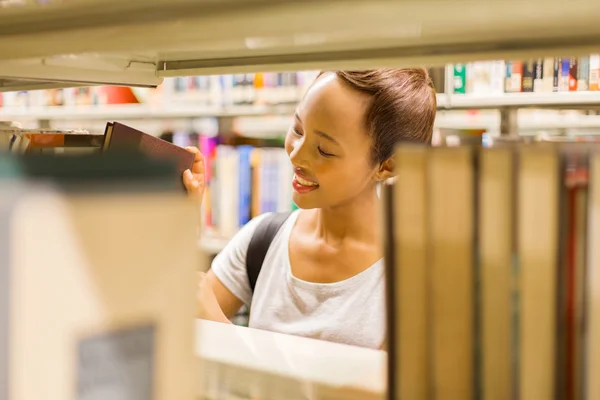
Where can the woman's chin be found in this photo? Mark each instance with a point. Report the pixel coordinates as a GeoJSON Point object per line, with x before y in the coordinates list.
{"type": "Point", "coordinates": [304, 201]}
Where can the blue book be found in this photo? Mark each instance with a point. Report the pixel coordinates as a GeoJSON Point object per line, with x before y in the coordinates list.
{"type": "Point", "coordinates": [565, 65]}
{"type": "Point", "coordinates": [245, 183]}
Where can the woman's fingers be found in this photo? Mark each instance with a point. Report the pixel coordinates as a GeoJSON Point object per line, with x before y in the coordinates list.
{"type": "Point", "coordinates": [194, 179]}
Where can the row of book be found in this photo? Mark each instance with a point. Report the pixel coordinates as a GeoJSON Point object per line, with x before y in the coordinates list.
{"type": "Point", "coordinates": [243, 182]}
{"type": "Point", "coordinates": [549, 74]}
{"type": "Point", "coordinates": [70, 97]}
{"type": "Point", "coordinates": [494, 272]}
{"type": "Point", "coordinates": [215, 90]}
{"type": "Point", "coordinates": [241, 89]}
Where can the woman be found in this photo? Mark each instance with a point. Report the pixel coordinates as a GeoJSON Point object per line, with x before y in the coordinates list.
{"type": "Point", "coordinates": [323, 276]}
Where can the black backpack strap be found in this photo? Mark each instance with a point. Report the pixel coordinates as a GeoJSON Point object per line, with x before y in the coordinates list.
{"type": "Point", "coordinates": [259, 244]}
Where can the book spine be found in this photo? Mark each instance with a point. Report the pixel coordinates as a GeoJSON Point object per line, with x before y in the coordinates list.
{"type": "Point", "coordinates": [508, 77]}
{"type": "Point", "coordinates": [245, 184]}
{"type": "Point", "coordinates": [470, 78]}
{"type": "Point", "coordinates": [573, 69]}
{"type": "Point", "coordinates": [214, 192]}
{"type": "Point", "coordinates": [565, 64]}
{"type": "Point", "coordinates": [538, 77]}
{"type": "Point", "coordinates": [528, 75]}
{"type": "Point", "coordinates": [583, 73]}
{"type": "Point", "coordinates": [497, 71]}
{"type": "Point", "coordinates": [556, 77]}
{"type": "Point", "coordinates": [548, 74]}
{"type": "Point", "coordinates": [256, 163]}
{"type": "Point", "coordinates": [594, 72]}
{"type": "Point", "coordinates": [460, 78]}
{"type": "Point", "coordinates": [517, 76]}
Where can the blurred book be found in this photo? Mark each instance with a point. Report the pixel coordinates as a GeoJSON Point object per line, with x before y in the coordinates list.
{"type": "Point", "coordinates": [97, 307]}
{"type": "Point", "coordinates": [119, 137]}
{"type": "Point", "coordinates": [506, 294]}
{"type": "Point", "coordinates": [547, 74]}
{"type": "Point", "coordinates": [244, 182]}
{"type": "Point", "coordinates": [17, 140]}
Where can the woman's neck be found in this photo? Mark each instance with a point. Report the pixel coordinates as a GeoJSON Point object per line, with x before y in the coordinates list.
{"type": "Point", "coordinates": [357, 220]}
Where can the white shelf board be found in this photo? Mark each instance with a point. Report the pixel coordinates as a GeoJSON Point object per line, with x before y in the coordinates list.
{"type": "Point", "coordinates": [137, 111]}
{"type": "Point", "coordinates": [260, 364]}
{"type": "Point", "coordinates": [444, 102]}
{"type": "Point", "coordinates": [555, 99]}
{"type": "Point", "coordinates": [138, 41]}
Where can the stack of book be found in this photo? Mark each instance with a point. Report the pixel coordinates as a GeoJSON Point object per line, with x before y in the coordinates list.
{"type": "Point", "coordinates": [494, 273]}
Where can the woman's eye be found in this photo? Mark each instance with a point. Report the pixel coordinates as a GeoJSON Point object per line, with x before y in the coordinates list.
{"type": "Point", "coordinates": [296, 132]}
{"type": "Point", "coordinates": [323, 153]}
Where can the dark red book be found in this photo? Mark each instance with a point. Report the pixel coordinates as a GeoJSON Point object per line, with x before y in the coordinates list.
{"type": "Point", "coordinates": [121, 137]}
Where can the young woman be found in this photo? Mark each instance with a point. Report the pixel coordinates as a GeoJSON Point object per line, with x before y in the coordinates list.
{"type": "Point", "coordinates": [323, 276]}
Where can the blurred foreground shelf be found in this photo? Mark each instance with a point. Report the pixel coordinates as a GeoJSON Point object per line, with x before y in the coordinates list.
{"type": "Point", "coordinates": [139, 42]}
{"type": "Point", "coordinates": [267, 365]}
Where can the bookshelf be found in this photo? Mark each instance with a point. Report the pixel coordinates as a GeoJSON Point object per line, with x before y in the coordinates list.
{"type": "Point", "coordinates": [96, 43]}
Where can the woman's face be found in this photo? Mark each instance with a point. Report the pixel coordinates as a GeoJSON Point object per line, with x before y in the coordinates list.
{"type": "Point", "coordinates": [329, 146]}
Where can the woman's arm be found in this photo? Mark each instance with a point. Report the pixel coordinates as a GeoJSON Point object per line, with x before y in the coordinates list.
{"type": "Point", "coordinates": [216, 302]}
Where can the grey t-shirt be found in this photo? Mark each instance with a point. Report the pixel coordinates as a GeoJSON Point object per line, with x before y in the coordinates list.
{"type": "Point", "coordinates": [351, 311]}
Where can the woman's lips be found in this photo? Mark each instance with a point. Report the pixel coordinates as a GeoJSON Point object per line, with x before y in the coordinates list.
{"type": "Point", "coordinates": [302, 184]}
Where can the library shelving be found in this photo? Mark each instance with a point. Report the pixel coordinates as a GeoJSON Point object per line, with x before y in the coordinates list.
{"type": "Point", "coordinates": [139, 111]}
{"type": "Point", "coordinates": [54, 44]}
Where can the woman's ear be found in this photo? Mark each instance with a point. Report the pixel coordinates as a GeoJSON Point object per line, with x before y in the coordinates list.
{"type": "Point", "coordinates": [386, 170]}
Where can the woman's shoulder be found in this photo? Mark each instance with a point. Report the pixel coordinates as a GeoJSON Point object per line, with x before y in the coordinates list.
{"type": "Point", "coordinates": [246, 233]}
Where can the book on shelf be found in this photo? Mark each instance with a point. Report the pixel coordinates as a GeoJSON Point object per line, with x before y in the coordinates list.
{"type": "Point", "coordinates": [91, 305]}
{"type": "Point", "coordinates": [540, 75]}
{"type": "Point", "coordinates": [261, 89]}
{"type": "Point", "coordinates": [116, 138]}
{"type": "Point", "coordinates": [122, 138]}
{"type": "Point", "coordinates": [493, 273]}
{"type": "Point", "coordinates": [20, 141]}
{"type": "Point", "coordinates": [243, 181]}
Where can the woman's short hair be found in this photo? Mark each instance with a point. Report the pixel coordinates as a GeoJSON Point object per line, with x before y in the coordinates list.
{"type": "Point", "coordinates": [402, 106]}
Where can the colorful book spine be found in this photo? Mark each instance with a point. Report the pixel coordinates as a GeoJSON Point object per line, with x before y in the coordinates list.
{"type": "Point", "coordinates": [517, 76]}
{"type": "Point", "coordinates": [508, 77]}
{"type": "Point", "coordinates": [565, 65]}
{"type": "Point", "coordinates": [528, 75]}
{"type": "Point", "coordinates": [573, 77]}
{"type": "Point", "coordinates": [208, 147]}
{"type": "Point", "coordinates": [460, 78]}
{"type": "Point", "coordinates": [245, 182]}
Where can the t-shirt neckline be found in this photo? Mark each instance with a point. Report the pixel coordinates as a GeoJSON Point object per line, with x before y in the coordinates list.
{"type": "Point", "coordinates": [348, 282]}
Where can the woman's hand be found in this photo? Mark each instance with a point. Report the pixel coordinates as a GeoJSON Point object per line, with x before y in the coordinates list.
{"type": "Point", "coordinates": [195, 179]}
{"type": "Point", "coordinates": [208, 306]}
